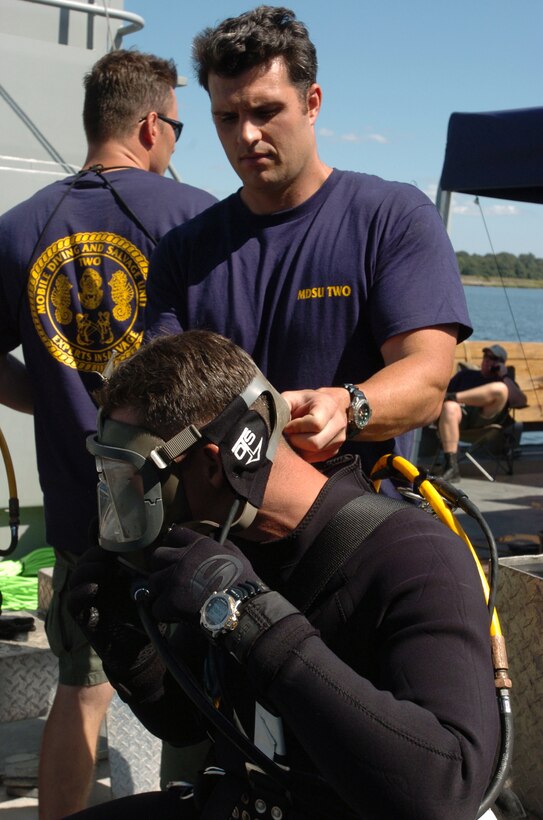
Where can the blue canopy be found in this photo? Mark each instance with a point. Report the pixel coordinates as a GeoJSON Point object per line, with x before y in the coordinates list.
{"type": "Point", "coordinates": [495, 154]}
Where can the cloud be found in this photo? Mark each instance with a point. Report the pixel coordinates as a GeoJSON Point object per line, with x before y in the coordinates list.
{"type": "Point", "coordinates": [352, 136]}
{"type": "Point", "coordinates": [503, 210]}
{"type": "Point", "coordinates": [431, 191]}
{"type": "Point", "coordinates": [463, 210]}
{"type": "Point", "coordinates": [470, 208]}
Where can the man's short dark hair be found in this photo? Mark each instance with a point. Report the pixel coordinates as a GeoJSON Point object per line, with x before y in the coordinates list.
{"type": "Point", "coordinates": [177, 380]}
{"type": "Point", "coordinates": [252, 39]}
{"type": "Point", "coordinates": [122, 87]}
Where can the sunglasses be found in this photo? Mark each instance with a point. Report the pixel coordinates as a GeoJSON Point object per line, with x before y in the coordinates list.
{"type": "Point", "coordinates": [176, 124]}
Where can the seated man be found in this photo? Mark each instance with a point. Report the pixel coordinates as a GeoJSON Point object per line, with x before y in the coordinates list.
{"type": "Point", "coordinates": [364, 682]}
{"type": "Point", "coordinates": [476, 398]}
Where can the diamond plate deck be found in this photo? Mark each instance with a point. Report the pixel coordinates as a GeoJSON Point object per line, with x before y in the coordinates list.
{"type": "Point", "coordinates": [134, 753]}
{"type": "Point", "coordinates": [28, 675]}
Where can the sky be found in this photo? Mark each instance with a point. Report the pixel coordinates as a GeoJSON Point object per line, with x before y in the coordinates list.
{"type": "Point", "coordinates": [392, 72]}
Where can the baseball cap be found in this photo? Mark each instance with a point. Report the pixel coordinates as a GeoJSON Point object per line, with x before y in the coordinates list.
{"type": "Point", "coordinates": [497, 351]}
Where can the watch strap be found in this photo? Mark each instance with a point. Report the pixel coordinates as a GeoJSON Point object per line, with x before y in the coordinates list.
{"type": "Point", "coordinates": [257, 616]}
{"type": "Point", "coordinates": [248, 589]}
{"type": "Point", "coordinates": [358, 397]}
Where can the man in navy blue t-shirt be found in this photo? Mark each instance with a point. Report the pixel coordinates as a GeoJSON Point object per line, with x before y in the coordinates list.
{"type": "Point", "coordinates": [331, 280]}
{"type": "Point", "coordinates": [73, 268]}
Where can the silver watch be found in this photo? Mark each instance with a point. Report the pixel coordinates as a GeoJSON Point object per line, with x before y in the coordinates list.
{"type": "Point", "coordinates": [220, 612]}
{"type": "Point", "coordinates": [359, 412]}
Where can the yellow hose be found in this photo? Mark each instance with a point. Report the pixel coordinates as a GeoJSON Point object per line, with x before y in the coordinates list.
{"type": "Point", "coordinates": [10, 472]}
{"type": "Point", "coordinates": [432, 496]}
{"type": "Point", "coordinates": [13, 503]}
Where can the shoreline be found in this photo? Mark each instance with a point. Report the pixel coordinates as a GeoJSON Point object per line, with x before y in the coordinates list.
{"type": "Point", "coordinates": [501, 282]}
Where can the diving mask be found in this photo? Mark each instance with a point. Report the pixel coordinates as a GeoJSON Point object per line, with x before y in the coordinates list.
{"type": "Point", "coordinates": [140, 492]}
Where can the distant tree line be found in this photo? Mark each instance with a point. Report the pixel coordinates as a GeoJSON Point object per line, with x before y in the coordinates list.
{"type": "Point", "coordinates": [506, 265]}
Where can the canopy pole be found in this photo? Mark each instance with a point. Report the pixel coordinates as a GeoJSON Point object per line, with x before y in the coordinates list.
{"type": "Point", "coordinates": [443, 205]}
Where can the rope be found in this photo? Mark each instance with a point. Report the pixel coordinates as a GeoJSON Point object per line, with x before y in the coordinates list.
{"type": "Point", "coordinates": [500, 276]}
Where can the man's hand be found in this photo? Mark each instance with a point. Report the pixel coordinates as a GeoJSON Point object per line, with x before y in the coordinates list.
{"type": "Point", "coordinates": [500, 370]}
{"type": "Point", "coordinates": [318, 424]}
{"type": "Point", "coordinates": [187, 571]}
{"type": "Point", "coordinates": [100, 601]}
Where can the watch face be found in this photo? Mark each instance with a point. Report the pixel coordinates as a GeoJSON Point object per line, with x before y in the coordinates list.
{"type": "Point", "coordinates": [217, 610]}
{"type": "Point", "coordinates": [361, 412]}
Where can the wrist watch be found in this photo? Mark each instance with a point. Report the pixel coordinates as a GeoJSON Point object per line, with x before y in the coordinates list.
{"type": "Point", "coordinates": [220, 612]}
{"type": "Point", "coordinates": [359, 412]}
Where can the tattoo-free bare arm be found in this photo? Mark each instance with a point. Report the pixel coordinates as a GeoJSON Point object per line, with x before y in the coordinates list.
{"type": "Point", "coordinates": [406, 393]}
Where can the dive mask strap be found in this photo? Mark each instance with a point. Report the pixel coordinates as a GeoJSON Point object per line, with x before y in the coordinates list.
{"type": "Point", "coordinates": [163, 455]}
{"type": "Point", "coordinates": [256, 388]}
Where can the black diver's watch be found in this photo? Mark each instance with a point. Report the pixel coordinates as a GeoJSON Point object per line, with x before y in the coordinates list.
{"type": "Point", "coordinates": [359, 412]}
{"type": "Point", "coordinates": [220, 612]}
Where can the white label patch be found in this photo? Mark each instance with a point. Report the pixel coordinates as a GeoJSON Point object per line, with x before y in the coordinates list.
{"type": "Point", "coordinates": [269, 735]}
{"type": "Point", "coordinates": [245, 447]}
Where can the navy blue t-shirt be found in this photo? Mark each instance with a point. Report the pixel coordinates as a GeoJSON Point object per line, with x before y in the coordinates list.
{"type": "Point", "coordinates": [312, 293]}
{"type": "Point", "coordinates": [466, 379]}
{"type": "Point", "coordinates": [73, 300]}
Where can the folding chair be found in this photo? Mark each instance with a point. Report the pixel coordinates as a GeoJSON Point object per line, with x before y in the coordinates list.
{"type": "Point", "coordinates": [496, 442]}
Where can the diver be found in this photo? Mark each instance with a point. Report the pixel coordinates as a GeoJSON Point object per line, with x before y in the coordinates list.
{"type": "Point", "coordinates": [321, 682]}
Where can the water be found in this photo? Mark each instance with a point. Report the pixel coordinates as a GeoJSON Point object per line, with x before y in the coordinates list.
{"type": "Point", "coordinates": [507, 315]}
{"type": "Point", "coordinates": [498, 313]}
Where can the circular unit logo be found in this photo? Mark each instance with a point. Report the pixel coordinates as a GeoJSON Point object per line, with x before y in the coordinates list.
{"type": "Point", "coordinates": [86, 294]}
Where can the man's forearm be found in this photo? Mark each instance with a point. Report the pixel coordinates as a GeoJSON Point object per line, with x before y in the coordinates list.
{"type": "Point", "coordinates": [15, 387]}
{"type": "Point", "coordinates": [408, 391]}
{"type": "Point", "coordinates": [401, 397]}
{"type": "Point", "coordinates": [517, 397]}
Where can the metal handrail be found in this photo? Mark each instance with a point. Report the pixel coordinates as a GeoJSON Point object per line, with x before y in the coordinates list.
{"type": "Point", "coordinates": [136, 23]}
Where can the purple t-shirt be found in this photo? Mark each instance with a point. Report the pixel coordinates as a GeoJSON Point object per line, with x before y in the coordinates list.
{"type": "Point", "coordinates": [70, 302]}
{"type": "Point", "coordinates": [313, 292]}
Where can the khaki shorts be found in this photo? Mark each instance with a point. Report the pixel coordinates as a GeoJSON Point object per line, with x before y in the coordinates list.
{"type": "Point", "coordinates": [472, 418]}
{"type": "Point", "coordinates": [78, 663]}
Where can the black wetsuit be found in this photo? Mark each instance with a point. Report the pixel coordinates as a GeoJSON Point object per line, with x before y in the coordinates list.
{"type": "Point", "coordinates": [389, 711]}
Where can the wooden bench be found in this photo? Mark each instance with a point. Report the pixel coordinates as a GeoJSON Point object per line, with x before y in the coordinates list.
{"type": "Point", "coordinates": [527, 359]}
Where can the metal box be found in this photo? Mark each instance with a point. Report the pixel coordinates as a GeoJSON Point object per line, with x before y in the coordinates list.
{"type": "Point", "coordinates": [520, 608]}
{"type": "Point", "coordinates": [28, 675]}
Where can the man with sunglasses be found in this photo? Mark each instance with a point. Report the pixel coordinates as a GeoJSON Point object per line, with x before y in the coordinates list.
{"type": "Point", "coordinates": [74, 261]}
{"type": "Point", "coordinates": [175, 124]}
{"type": "Point", "coordinates": [476, 398]}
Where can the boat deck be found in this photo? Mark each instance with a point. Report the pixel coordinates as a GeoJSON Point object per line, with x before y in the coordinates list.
{"type": "Point", "coordinates": [513, 508]}
{"type": "Point", "coordinates": [511, 504]}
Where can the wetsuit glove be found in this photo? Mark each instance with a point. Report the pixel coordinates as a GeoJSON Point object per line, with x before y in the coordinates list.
{"type": "Point", "coordinates": [100, 601]}
{"type": "Point", "coordinates": [185, 575]}
{"type": "Point", "coordinates": [189, 569]}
